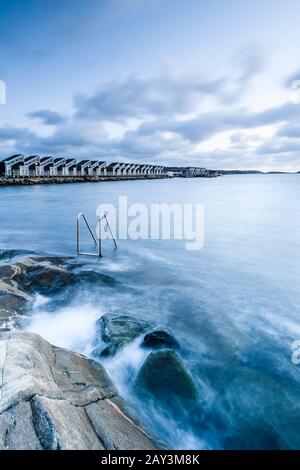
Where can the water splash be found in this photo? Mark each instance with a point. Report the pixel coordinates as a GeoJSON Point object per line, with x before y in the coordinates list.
{"type": "Point", "coordinates": [71, 327]}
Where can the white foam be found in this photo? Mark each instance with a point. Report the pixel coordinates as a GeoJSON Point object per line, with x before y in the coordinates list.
{"type": "Point", "coordinates": [123, 367]}
{"type": "Point", "coordinates": [71, 327]}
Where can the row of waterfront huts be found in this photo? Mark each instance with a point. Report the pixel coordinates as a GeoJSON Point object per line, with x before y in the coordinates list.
{"type": "Point", "coordinates": [18, 166]}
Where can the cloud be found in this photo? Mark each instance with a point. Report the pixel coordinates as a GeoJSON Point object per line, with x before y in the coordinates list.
{"type": "Point", "coordinates": [47, 117]}
{"type": "Point", "coordinates": [207, 124]}
{"type": "Point", "coordinates": [292, 78]}
{"type": "Point", "coordinates": [143, 98]}
{"type": "Point", "coordinates": [168, 119]}
{"type": "Point", "coordinates": [279, 147]}
{"type": "Point", "coordinates": [168, 96]}
{"type": "Point", "coordinates": [290, 130]}
{"type": "Point", "coordinates": [17, 134]}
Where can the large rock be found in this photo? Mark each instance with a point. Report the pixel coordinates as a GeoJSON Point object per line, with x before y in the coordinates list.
{"type": "Point", "coordinates": [160, 339]}
{"type": "Point", "coordinates": [50, 281]}
{"type": "Point", "coordinates": [13, 298]}
{"type": "Point", "coordinates": [95, 277]}
{"type": "Point", "coordinates": [51, 398]}
{"type": "Point", "coordinates": [21, 277]}
{"type": "Point", "coordinates": [26, 276]}
{"type": "Point", "coordinates": [165, 378]}
{"type": "Point", "coordinates": [11, 304]}
{"type": "Point", "coordinates": [9, 281]}
{"type": "Point", "coordinates": [117, 331]}
{"type": "Point", "coordinates": [44, 275]}
{"type": "Point", "coordinates": [11, 308]}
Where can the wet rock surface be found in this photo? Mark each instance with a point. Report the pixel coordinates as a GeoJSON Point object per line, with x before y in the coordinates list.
{"type": "Point", "coordinates": [10, 254]}
{"type": "Point", "coordinates": [164, 377]}
{"type": "Point", "coordinates": [52, 399]}
{"type": "Point", "coordinates": [117, 331]}
{"type": "Point", "coordinates": [23, 275]}
{"type": "Point", "coordinates": [160, 339]}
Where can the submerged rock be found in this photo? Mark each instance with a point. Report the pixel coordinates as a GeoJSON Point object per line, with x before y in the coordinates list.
{"type": "Point", "coordinates": [165, 378]}
{"type": "Point", "coordinates": [9, 281]}
{"type": "Point", "coordinates": [11, 306]}
{"type": "Point", "coordinates": [160, 339]}
{"type": "Point", "coordinates": [118, 331]}
{"type": "Point", "coordinates": [50, 281]}
{"type": "Point", "coordinates": [28, 275]}
{"type": "Point", "coordinates": [53, 399]}
{"type": "Point", "coordinates": [13, 297]}
{"type": "Point", "coordinates": [95, 277]}
{"type": "Point", "coordinates": [44, 275]}
{"type": "Point", "coordinates": [10, 254]}
{"type": "Point", "coordinates": [47, 275]}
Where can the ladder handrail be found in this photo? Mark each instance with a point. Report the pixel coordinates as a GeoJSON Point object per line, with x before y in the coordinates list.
{"type": "Point", "coordinates": [104, 216]}
{"type": "Point", "coordinates": [97, 243]}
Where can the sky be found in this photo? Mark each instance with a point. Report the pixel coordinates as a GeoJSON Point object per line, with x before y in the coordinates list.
{"type": "Point", "coordinates": [175, 82]}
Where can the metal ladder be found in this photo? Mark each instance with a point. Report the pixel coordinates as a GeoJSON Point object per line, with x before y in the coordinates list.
{"type": "Point", "coordinates": [98, 243]}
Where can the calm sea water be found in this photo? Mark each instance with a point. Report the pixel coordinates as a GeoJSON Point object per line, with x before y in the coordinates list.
{"type": "Point", "coordinates": [234, 305]}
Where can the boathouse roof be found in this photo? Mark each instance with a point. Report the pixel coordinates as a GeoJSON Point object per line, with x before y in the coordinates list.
{"type": "Point", "coordinates": [112, 165]}
{"type": "Point", "coordinates": [13, 157]}
{"type": "Point", "coordinates": [27, 159]}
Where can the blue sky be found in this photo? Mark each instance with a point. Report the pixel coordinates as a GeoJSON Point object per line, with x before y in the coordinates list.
{"type": "Point", "coordinates": [177, 82]}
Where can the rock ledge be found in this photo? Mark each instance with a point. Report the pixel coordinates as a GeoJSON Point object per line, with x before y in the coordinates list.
{"type": "Point", "coordinates": [51, 398]}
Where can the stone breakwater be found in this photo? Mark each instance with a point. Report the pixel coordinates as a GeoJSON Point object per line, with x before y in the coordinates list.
{"type": "Point", "coordinates": [73, 179]}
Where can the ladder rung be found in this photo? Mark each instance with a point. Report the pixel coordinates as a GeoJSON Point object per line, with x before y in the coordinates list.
{"type": "Point", "coordinates": [97, 243]}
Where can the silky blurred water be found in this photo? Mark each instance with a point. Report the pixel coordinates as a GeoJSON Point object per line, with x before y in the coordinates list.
{"type": "Point", "coordinates": [234, 306]}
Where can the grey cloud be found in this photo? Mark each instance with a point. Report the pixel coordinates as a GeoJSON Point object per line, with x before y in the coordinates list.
{"type": "Point", "coordinates": [138, 98]}
{"type": "Point", "coordinates": [284, 147]}
{"type": "Point", "coordinates": [207, 124]}
{"type": "Point", "coordinates": [290, 130]}
{"type": "Point", "coordinates": [16, 133]}
{"type": "Point", "coordinates": [48, 117]}
{"type": "Point", "coordinates": [290, 79]}
{"type": "Point", "coordinates": [167, 96]}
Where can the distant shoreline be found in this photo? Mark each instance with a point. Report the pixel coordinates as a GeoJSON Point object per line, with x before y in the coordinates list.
{"type": "Point", "coordinates": [257, 172]}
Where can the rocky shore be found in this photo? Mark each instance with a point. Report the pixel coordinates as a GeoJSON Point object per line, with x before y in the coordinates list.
{"type": "Point", "coordinates": [29, 181]}
{"type": "Point", "coordinates": [56, 399]}
{"type": "Point", "coordinates": [53, 398]}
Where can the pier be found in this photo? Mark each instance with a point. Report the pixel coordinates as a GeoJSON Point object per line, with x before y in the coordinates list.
{"type": "Point", "coordinates": [72, 179]}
